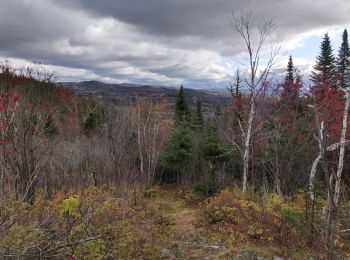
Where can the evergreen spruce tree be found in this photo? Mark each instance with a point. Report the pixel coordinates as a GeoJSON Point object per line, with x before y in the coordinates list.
{"type": "Point", "coordinates": [343, 62]}
{"type": "Point", "coordinates": [50, 128]}
{"type": "Point", "coordinates": [292, 83]}
{"type": "Point", "coordinates": [213, 152]}
{"type": "Point", "coordinates": [324, 72]}
{"type": "Point", "coordinates": [90, 123]}
{"type": "Point", "coordinates": [94, 120]}
{"type": "Point", "coordinates": [182, 111]}
{"type": "Point", "coordinates": [197, 129]}
{"type": "Point", "coordinates": [211, 144]}
{"type": "Point", "coordinates": [198, 116]}
{"type": "Point", "coordinates": [289, 78]}
{"type": "Point", "coordinates": [179, 151]}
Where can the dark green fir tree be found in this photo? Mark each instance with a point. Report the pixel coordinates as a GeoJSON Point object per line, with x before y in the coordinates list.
{"type": "Point", "coordinates": [292, 84]}
{"type": "Point", "coordinates": [343, 62]}
{"type": "Point", "coordinates": [198, 116]}
{"type": "Point", "coordinates": [182, 110]}
{"type": "Point", "coordinates": [179, 150]}
{"type": "Point", "coordinates": [289, 78]}
{"type": "Point", "coordinates": [50, 128]}
{"type": "Point", "coordinates": [324, 72]}
{"type": "Point", "coordinates": [213, 151]}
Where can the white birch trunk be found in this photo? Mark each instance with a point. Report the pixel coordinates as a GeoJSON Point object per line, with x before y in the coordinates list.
{"type": "Point", "coordinates": [329, 148]}
{"type": "Point", "coordinates": [244, 25]}
{"type": "Point", "coordinates": [247, 146]}
{"type": "Point", "coordinates": [316, 162]}
{"type": "Point", "coordinates": [342, 148]}
{"type": "Point", "coordinates": [139, 144]}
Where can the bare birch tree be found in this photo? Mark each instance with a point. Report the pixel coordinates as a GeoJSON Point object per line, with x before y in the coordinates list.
{"type": "Point", "coordinates": [151, 130]}
{"type": "Point", "coordinates": [335, 178]}
{"type": "Point", "coordinates": [260, 38]}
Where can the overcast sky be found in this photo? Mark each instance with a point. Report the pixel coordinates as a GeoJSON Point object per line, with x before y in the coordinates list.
{"type": "Point", "coordinates": [163, 42]}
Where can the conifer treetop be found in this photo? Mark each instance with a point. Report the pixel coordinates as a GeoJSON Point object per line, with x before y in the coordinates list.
{"type": "Point", "coordinates": [343, 62]}
{"type": "Point", "coordinates": [289, 78]}
{"type": "Point", "coordinates": [325, 70]}
{"type": "Point", "coordinates": [182, 111]}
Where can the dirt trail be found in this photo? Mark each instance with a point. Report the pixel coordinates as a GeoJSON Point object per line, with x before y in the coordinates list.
{"type": "Point", "coordinates": [189, 240]}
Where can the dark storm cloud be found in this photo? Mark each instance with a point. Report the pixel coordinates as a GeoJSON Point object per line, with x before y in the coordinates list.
{"type": "Point", "coordinates": [166, 41]}
{"type": "Point", "coordinates": [209, 19]}
{"type": "Point", "coordinates": [175, 18]}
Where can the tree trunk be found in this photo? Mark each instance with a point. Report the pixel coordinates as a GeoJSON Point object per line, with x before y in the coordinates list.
{"type": "Point", "coordinates": [316, 162]}
{"type": "Point", "coordinates": [342, 148]}
{"type": "Point", "coordinates": [247, 146]}
{"type": "Point", "coordinates": [333, 197]}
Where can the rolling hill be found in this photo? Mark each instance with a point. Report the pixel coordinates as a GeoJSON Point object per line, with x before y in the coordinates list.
{"type": "Point", "coordinates": [125, 93]}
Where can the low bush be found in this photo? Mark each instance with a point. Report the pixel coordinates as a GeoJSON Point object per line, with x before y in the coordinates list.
{"type": "Point", "coordinates": [258, 220]}
{"type": "Point", "coordinates": [273, 220]}
{"type": "Point", "coordinates": [91, 225]}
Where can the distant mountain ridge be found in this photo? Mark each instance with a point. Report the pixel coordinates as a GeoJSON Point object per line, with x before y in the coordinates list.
{"type": "Point", "coordinates": [124, 92]}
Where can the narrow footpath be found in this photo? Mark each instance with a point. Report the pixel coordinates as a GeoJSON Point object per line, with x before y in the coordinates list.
{"type": "Point", "coordinates": [189, 240]}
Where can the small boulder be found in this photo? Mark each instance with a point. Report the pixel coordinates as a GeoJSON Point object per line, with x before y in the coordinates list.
{"type": "Point", "coordinates": [167, 253]}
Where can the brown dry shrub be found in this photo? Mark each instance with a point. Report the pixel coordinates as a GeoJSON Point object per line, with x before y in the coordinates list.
{"type": "Point", "coordinates": [94, 224]}
{"type": "Point", "coordinates": [248, 217]}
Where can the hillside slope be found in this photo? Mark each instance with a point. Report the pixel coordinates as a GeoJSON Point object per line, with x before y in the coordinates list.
{"type": "Point", "coordinates": [119, 93]}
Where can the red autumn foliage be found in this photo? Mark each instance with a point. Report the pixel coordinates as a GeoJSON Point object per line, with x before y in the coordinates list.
{"type": "Point", "coordinates": [38, 91]}
{"type": "Point", "coordinates": [329, 108]}
{"type": "Point", "coordinates": [290, 102]}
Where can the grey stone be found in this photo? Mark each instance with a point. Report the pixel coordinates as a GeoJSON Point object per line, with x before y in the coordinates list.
{"type": "Point", "coordinates": [167, 253]}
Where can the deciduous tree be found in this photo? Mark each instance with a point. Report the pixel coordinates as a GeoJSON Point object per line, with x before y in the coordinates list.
{"type": "Point", "coordinates": [256, 35]}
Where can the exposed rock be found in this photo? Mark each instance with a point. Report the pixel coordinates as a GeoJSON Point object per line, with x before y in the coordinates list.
{"type": "Point", "coordinates": [167, 253]}
{"type": "Point", "coordinates": [247, 255]}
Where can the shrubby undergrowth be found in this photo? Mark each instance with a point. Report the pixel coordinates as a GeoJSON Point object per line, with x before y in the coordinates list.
{"type": "Point", "coordinates": [94, 224]}
{"type": "Point", "coordinates": [270, 220]}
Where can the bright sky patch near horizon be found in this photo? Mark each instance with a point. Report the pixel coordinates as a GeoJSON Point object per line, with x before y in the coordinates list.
{"type": "Point", "coordinates": [159, 42]}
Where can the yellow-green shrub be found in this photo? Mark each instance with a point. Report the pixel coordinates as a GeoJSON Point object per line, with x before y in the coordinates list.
{"type": "Point", "coordinates": [258, 220]}
{"type": "Point", "coordinates": [89, 225]}
{"type": "Point", "coordinates": [70, 207]}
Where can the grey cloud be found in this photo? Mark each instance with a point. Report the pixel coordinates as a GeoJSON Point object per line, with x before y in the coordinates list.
{"type": "Point", "coordinates": [166, 41]}
{"type": "Point", "coordinates": [209, 19]}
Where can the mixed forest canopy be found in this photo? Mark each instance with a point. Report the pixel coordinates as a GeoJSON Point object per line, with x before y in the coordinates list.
{"type": "Point", "coordinates": [272, 165]}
